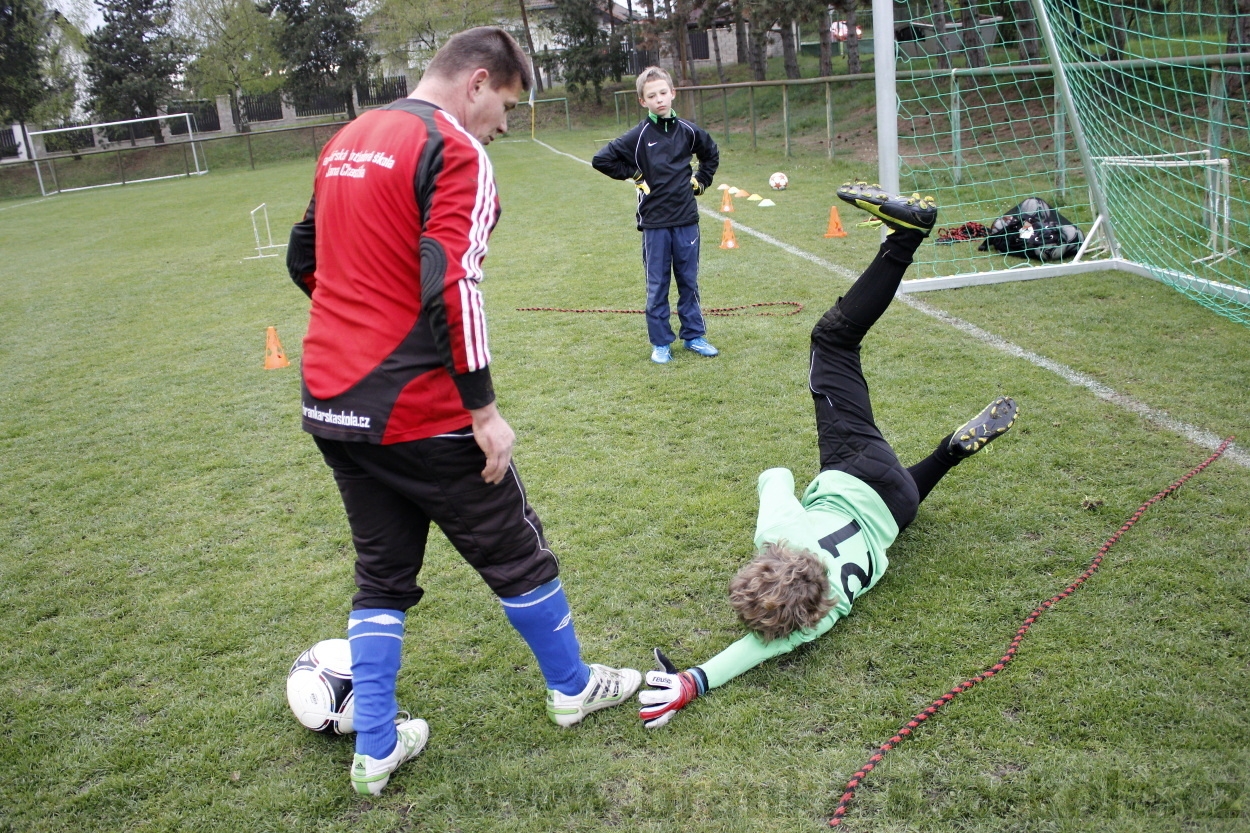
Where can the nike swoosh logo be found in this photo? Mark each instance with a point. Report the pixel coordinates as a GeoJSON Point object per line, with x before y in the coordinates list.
{"type": "Point", "coordinates": [649, 144]}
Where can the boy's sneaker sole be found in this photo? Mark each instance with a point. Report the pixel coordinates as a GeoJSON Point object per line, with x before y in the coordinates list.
{"type": "Point", "coordinates": [915, 212]}
{"type": "Point", "coordinates": [607, 687]}
{"type": "Point", "coordinates": [982, 429]}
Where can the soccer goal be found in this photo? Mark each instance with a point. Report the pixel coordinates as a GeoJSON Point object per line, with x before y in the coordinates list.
{"type": "Point", "coordinates": [1130, 120]}
{"type": "Point", "coordinates": [116, 153]}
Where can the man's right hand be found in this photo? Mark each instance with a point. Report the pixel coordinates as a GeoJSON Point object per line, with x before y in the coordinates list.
{"type": "Point", "coordinates": [495, 437]}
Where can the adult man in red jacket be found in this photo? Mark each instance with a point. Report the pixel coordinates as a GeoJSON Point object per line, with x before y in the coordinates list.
{"type": "Point", "coordinates": [397, 389]}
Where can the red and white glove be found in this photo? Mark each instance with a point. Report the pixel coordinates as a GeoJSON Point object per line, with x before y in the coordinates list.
{"type": "Point", "coordinates": [671, 691]}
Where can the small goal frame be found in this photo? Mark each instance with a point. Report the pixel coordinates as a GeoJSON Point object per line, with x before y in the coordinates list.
{"type": "Point", "coordinates": [200, 164]}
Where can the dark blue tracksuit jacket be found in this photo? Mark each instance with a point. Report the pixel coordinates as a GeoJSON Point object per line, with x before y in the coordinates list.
{"type": "Point", "coordinates": [661, 149]}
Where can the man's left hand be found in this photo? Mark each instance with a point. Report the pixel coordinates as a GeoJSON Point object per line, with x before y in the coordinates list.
{"type": "Point", "coordinates": [696, 185]}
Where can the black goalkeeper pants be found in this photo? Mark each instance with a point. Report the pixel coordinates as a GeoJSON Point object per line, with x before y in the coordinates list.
{"type": "Point", "coordinates": [393, 492]}
{"type": "Point", "coordinates": [848, 435]}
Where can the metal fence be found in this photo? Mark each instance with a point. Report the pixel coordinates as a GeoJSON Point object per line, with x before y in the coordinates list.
{"type": "Point", "coordinates": [204, 116]}
{"type": "Point", "coordinates": [8, 143]}
{"type": "Point", "coordinates": [321, 104]}
{"type": "Point", "coordinates": [377, 92]}
{"type": "Point", "coordinates": [261, 106]}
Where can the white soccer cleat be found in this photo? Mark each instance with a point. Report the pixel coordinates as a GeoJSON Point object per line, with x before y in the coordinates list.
{"type": "Point", "coordinates": [607, 687]}
{"type": "Point", "coordinates": [370, 775]}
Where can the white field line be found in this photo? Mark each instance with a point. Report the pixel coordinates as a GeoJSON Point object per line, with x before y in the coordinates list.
{"type": "Point", "coordinates": [24, 204]}
{"type": "Point", "coordinates": [1198, 436]}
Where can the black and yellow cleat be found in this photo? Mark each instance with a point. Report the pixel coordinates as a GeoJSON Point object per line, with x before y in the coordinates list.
{"type": "Point", "coordinates": [984, 428]}
{"type": "Point", "coordinates": [915, 212]}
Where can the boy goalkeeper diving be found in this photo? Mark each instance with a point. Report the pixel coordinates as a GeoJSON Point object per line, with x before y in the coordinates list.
{"type": "Point", "coordinates": [819, 553]}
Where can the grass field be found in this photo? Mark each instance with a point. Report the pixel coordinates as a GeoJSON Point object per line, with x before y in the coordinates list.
{"type": "Point", "coordinates": [171, 539]}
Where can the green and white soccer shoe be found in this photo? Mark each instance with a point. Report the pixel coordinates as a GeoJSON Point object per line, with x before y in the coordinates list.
{"type": "Point", "coordinates": [607, 687]}
{"type": "Point", "coordinates": [370, 775]}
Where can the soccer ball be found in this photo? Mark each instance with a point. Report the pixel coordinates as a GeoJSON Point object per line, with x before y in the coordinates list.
{"type": "Point", "coordinates": [778, 181]}
{"type": "Point", "coordinates": [319, 688]}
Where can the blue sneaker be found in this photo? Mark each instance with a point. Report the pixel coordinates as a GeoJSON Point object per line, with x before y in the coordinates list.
{"type": "Point", "coordinates": [661, 354]}
{"type": "Point", "coordinates": [700, 346]}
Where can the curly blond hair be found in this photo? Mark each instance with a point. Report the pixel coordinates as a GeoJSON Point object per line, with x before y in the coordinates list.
{"type": "Point", "coordinates": [781, 590]}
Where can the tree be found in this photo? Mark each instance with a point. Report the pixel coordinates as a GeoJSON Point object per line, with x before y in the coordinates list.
{"type": "Point", "coordinates": [62, 69]}
{"type": "Point", "coordinates": [590, 54]}
{"type": "Point", "coordinates": [974, 46]}
{"type": "Point", "coordinates": [409, 33]}
{"type": "Point", "coordinates": [851, 9]}
{"type": "Point", "coordinates": [236, 51]}
{"type": "Point", "coordinates": [25, 26]}
{"type": "Point", "coordinates": [1026, 28]}
{"type": "Point", "coordinates": [529, 44]}
{"type": "Point", "coordinates": [132, 59]}
{"type": "Point", "coordinates": [322, 47]}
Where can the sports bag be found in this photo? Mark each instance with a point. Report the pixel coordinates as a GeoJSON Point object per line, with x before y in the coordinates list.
{"type": "Point", "coordinates": [1034, 230]}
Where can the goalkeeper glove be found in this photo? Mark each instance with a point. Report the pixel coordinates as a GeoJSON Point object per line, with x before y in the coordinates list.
{"type": "Point", "coordinates": [640, 183]}
{"type": "Point", "coordinates": [671, 691]}
{"type": "Point", "coordinates": [696, 185]}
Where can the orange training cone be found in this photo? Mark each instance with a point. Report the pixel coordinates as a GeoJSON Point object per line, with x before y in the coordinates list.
{"type": "Point", "coordinates": [835, 224]}
{"type": "Point", "coordinates": [274, 356]}
{"type": "Point", "coordinates": [727, 239]}
{"type": "Point", "coordinates": [727, 203]}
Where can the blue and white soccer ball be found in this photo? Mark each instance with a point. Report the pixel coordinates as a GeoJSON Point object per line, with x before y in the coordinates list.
{"type": "Point", "coordinates": [319, 688]}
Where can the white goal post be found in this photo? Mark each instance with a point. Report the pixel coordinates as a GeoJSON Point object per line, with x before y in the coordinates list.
{"type": "Point", "coordinates": [194, 164]}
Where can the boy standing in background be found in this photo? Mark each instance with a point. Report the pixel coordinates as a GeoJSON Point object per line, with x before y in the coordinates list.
{"type": "Point", "coordinates": [655, 155]}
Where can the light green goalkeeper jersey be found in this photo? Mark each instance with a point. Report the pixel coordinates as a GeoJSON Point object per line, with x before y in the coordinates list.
{"type": "Point", "coordinates": [845, 523]}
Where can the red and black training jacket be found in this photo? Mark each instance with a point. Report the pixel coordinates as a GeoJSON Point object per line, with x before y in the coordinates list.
{"type": "Point", "coordinates": [390, 251]}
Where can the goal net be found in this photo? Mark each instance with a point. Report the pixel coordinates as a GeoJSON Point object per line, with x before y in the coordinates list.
{"type": "Point", "coordinates": [116, 153]}
{"type": "Point", "coordinates": [1131, 120]}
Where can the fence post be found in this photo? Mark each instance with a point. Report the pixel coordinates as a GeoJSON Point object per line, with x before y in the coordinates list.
{"type": "Point", "coordinates": [785, 115]}
{"type": "Point", "coordinates": [956, 128]}
{"type": "Point", "coordinates": [121, 171]}
{"type": "Point", "coordinates": [1061, 161]}
{"type": "Point", "coordinates": [751, 90]}
{"type": "Point", "coordinates": [250, 157]}
{"type": "Point", "coordinates": [186, 164]}
{"type": "Point", "coordinates": [568, 120]}
{"type": "Point", "coordinates": [724, 100]}
{"type": "Point", "coordinates": [616, 102]}
{"type": "Point", "coordinates": [829, 116]}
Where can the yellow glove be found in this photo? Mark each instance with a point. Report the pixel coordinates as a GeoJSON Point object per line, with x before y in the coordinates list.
{"type": "Point", "coordinates": [696, 185]}
{"type": "Point", "coordinates": [640, 183]}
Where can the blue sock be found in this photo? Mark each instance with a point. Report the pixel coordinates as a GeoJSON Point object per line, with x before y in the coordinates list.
{"type": "Point", "coordinates": [543, 619]}
{"type": "Point", "coordinates": [376, 637]}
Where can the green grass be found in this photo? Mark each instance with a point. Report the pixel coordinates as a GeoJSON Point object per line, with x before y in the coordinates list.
{"type": "Point", "coordinates": [172, 540]}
